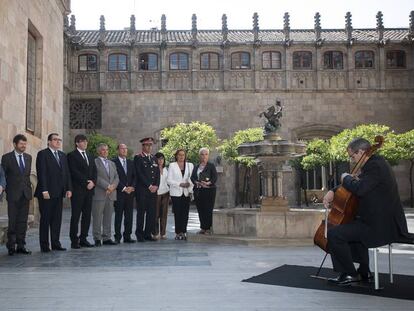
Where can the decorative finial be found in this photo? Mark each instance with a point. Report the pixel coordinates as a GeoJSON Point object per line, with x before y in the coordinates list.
{"type": "Point", "coordinates": [348, 25]}
{"type": "Point", "coordinates": [102, 23]}
{"type": "Point", "coordinates": [163, 23]}
{"type": "Point", "coordinates": [286, 26]}
{"type": "Point", "coordinates": [132, 28]}
{"type": "Point", "coordinates": [194, 27]}
{"type": "Point", "coordinates": [72, 26]}
{"type": "Point", "coordinates": [318, 27]}
{"type": "Point", "coordinates": [380, 26]}
{"type": "Point", "coordinates": [256, 26]}
{"type": "Point", "coordinates": [65, 22]}
{"type": "Point", "coordinates": [411, 30]}
{"type": "Point", "coordinates": [224, 29]}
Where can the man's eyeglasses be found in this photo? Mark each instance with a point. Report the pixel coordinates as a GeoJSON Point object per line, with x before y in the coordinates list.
{"type": "Point", "coordinates": [57, 139]}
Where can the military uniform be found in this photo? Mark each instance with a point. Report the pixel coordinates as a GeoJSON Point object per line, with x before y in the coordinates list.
{"type": "Point", "coordinates": [147, 174]}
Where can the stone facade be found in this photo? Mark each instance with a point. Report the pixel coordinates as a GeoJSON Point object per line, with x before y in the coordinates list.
{"type": "Point", "coordinates": [43, 19]}
{"type": "Point", "coordinates": [318, 101]}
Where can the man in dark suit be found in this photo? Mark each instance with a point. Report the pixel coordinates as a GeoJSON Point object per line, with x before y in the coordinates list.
{"type": "Point", "coordinates": [380, 217]}
{"type": "Point", "coordinates": [53, 184]}
{"type": "Point", "coordinates": [148, 180]}
{"type": "Point", "coordinates": [83, 172]}
{"type": "Point", "coordinates": [124, 203]}
{"type": "Point", "coordinates": [17, 167]}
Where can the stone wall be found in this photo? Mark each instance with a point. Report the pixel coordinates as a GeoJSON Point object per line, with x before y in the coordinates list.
{"type": "Point", "coordinates": [44, 20]}
{"type": "Point", "coordinates": [127, 117]}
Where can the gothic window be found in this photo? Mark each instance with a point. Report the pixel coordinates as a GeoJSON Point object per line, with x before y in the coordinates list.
{"type": "Point", "coordinates": [31, 84]}
{"type": "Point", "coordinates": [271, 60]}
{"type": "Point", "coordinates": [179, 61]}
{"type": "Point", "coordinates": [240, 60]}
{"type": "Point", "coordinates": [333, 60]}
{"type": "Point", "coordinates": [148, 61]}
{"type": "Point", "coordinates": [364, 59]}
{"type": "Point", "coordinates": [302, 60]}
{"type": "Point", "coordinates": [117, 62]}
{"type": "Point", "coordinates": [396, 59]}
{"type": "Point", "coordinates": [87, 62]}
{"type": "Point", "coordinates": [209, 61]}
{"type": "Point", "coordinates": [85, 114]}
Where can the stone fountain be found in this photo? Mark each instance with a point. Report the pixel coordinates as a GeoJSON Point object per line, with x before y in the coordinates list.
{"type": "Point", "coordinates": [275, 220]}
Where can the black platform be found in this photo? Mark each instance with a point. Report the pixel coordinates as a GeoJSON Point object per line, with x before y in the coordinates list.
{"type": "Point", "coordinates": [299, 277]}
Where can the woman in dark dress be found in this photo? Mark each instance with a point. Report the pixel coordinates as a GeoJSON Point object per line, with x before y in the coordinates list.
{"type": "Point", "coordinates": [204, 178]}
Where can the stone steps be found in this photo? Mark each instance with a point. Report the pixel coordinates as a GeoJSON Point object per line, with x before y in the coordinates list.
{"type": "Point", "coordinates": [248, 241]}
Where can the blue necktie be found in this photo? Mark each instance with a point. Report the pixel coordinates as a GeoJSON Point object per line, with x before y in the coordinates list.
{"type": "Point", "coordinates": [21, 163]}
{"type": "Point", "coordinates": [124, 165]}
{"type": "Point", "coordinates": [57, 158]}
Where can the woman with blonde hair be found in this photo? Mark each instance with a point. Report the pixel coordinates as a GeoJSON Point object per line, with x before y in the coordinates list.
{"type": "Point", "coordinates": [181, 187]}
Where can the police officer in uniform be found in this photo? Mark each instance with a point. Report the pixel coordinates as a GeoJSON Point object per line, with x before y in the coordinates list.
{"type": "Point", "coordinates": [148, 180]}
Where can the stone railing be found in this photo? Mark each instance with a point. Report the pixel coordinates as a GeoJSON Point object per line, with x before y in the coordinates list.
{"type": "Point", "coordinates": [266, 80]}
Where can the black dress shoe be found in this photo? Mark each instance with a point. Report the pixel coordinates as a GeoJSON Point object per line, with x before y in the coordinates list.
{"type": "Point", "coordinates": [366, 277]}
{"type": "Point", "coordinates": [98, 243]}
{"type": "Point", "coordinates": [85, 243]}
{"type": "Point", "coordinates": [151, 239]}
{"type": "Point", "coordinates": [109, 242]}
{"type": "Point", "coordinates": [129, 240]}
{"type": "Point", "coordinates": [45, 249]}
{"type": "Point", "coordinates": [11, 251]}
{"type": "Point", "coordinates": [117, 241]}
{"type": "Point", "coordinates": [75, 245]}
{"type": "Point", "coordinates": [58, 248]}
{"type": "Point", "coordinates": [23, 250]}
{"type": "Point", "coordinates": [140, 239]}
{"type": "Point", "coordinates": [344, 279]}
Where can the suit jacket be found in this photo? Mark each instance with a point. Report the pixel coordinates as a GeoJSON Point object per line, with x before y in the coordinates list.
{"type": "Point", "coordinates": [81, 172]}
{"type": "Point", "coordinates": [104, 180]}
{"type": "Point", "coordinates": [175, 178]}
{"type": "Point", "coordinates": [379, 205]}
{"type": "Point", "coordinates": [18, 184]}
{"type": "Point", "coordinates": [125, 180]}
{"type": "Point", "coordinates": [51, 176]}
{"type": "Point", "coordinates": [147, 173]}
{"type": "Point", "coordinates": [209, 173]}
{"type": "Point", "coordinates": [2, 182]}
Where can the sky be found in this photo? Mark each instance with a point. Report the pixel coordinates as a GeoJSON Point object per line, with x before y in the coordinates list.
{"type": "Point", "coordinates": [239, 13]}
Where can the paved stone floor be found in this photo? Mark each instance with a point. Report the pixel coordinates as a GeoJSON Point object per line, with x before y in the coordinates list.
{"type": "Point", "coordinates": [172, 275]}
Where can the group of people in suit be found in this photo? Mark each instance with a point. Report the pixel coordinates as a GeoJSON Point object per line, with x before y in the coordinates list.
{"type": "Point", "coordinates": [98, 186]}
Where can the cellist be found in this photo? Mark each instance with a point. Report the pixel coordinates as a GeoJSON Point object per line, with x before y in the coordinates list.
{"type": "Point", "coordinates": [380, 218]}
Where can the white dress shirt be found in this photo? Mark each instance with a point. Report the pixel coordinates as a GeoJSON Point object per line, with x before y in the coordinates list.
{"type": "Point", "coordinates": [163, 188]}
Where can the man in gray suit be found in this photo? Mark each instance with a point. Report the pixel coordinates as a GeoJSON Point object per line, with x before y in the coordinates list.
{"type": "Point", "coordinates": [105, 195]}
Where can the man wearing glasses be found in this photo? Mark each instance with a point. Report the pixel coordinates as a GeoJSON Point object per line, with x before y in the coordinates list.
{"type": "Point", "coordinates": [54, 183]}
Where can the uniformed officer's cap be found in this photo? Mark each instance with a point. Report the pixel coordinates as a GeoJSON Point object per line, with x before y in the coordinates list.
{"type": "Point", "coordinates": [147, 140]}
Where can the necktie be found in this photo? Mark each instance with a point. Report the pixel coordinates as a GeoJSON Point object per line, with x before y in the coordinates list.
{"type": "Point", "coordinates": [85, 158]}
{"type": "Point", "coordinates": [124, 165]}
{"type": "Point", "coordinates": [106, 166]}
{"type": "Point", "coordinates": [57, 157]}
{"type": "Point", "coordinates": [21, 163]}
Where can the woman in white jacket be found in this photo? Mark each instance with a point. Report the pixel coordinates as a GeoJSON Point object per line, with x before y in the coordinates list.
{"type": "Point", "coordinates": [179, 180]}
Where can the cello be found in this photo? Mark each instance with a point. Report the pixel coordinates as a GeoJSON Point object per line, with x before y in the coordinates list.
{"type": "Point", "coordinates": [344, 206]}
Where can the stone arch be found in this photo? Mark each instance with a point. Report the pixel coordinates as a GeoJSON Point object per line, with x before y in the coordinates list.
{"type": "Point", "coordinates": [310, 131]}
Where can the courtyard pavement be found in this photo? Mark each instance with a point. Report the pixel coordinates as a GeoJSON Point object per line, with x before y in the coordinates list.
{"type": "Point", "coordinates": [173, 275]}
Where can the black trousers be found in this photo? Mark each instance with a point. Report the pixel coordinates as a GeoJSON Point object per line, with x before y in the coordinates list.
{"type": "Point", "coordinates": [50, 219]}
{"type": "Point", "coordinates": [124, 206]}
{"type": "Point", "coordinates": [346, 247]}
{"type": "Point", "coordinates": [181, 208]}
{"type": "Point", "coordinates": [145, 211]}
{"type": "Point", "coordinates": [204, 200]}
{"type": "Point", "coordinates": [81, 203]}
{"type": "Point", "coordinates": [17, 212]}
